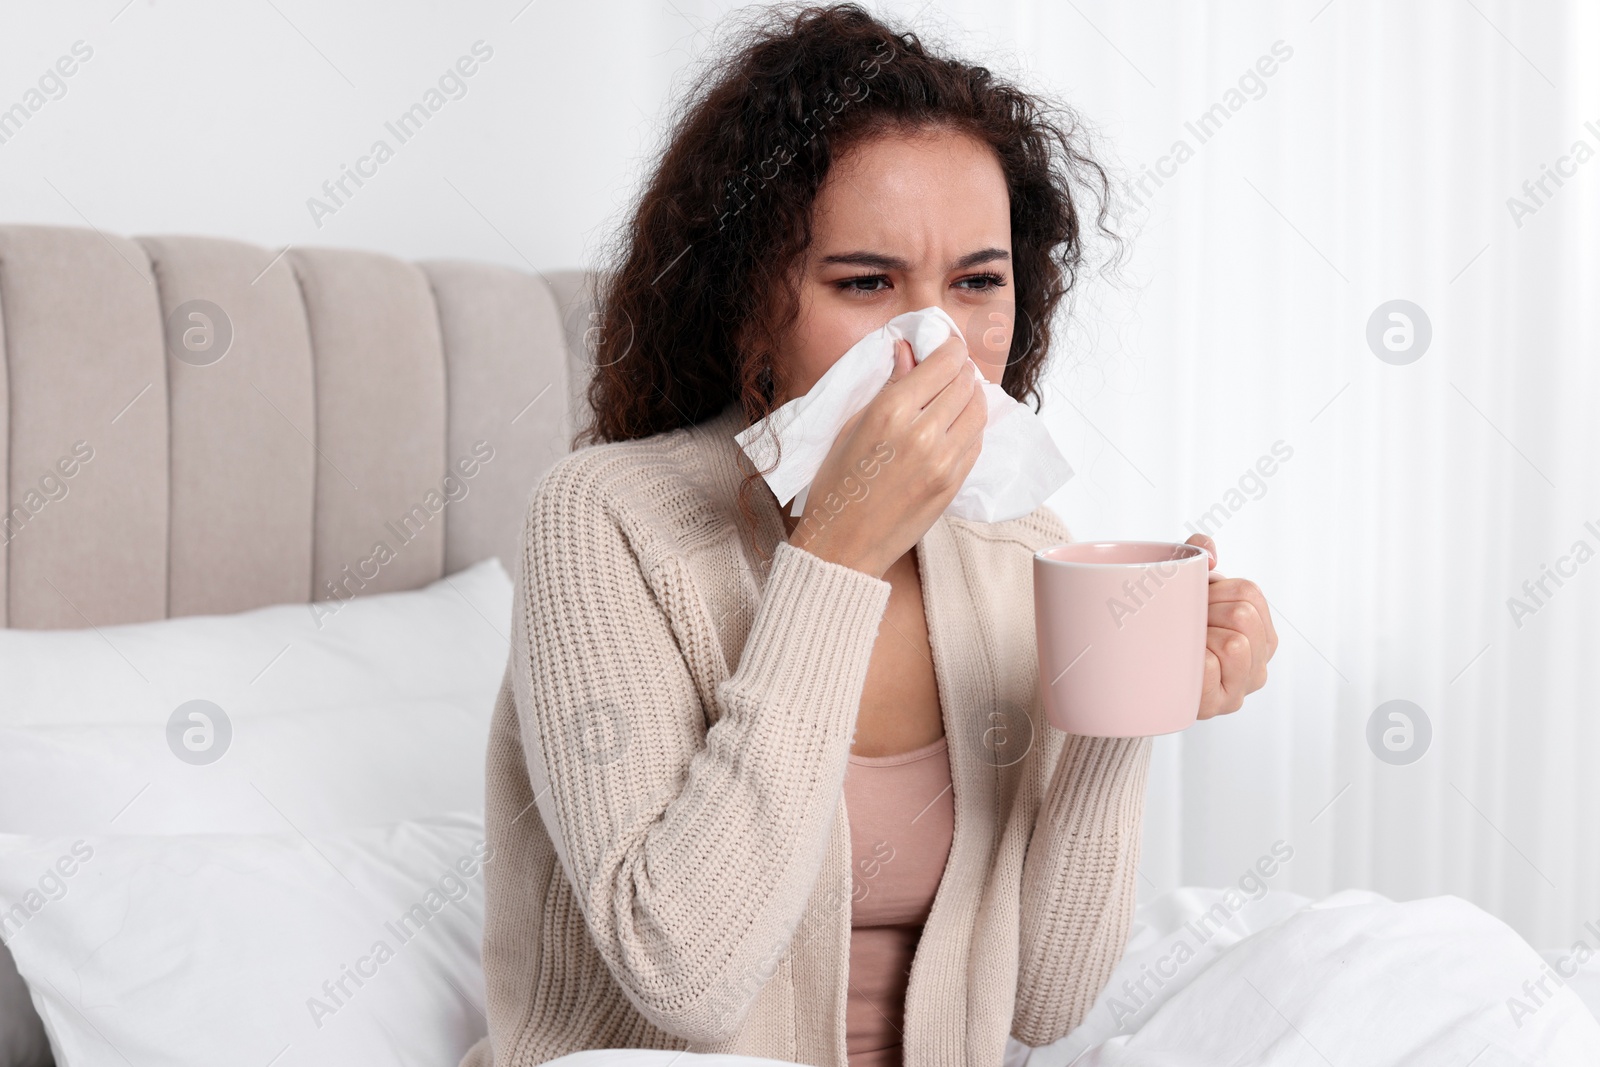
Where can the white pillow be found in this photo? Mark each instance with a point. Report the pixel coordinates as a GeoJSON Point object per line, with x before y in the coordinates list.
{"type": "Point", "coordinates": [197, 950]}
{"type": "Point", "coordinates": [373, 713]}
{"type": "Point", "coordinates": [380, 713]}
{"type": "Point", "coordinates": [307, 771]}
{"type": "Point", "coordinates": [447, 640]}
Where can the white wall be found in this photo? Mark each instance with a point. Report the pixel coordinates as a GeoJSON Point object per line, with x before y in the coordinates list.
{"type": "Point", "coordinates": [1376, 164]}
{"type": "Point", "coordinates": [224, 119]}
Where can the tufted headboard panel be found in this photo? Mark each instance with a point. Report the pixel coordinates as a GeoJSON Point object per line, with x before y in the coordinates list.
{"type": "Point", "coordinates": [192, 426]}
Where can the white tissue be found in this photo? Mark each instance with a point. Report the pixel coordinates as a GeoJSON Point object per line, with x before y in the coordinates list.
{"type": "Point", "coordinates": [1018, 468]}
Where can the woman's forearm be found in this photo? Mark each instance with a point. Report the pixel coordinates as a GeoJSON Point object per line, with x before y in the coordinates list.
{"type": "Point", "coordinates": [1078, 883]}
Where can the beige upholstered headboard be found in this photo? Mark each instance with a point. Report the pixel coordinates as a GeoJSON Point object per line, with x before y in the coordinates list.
{"type": "Point", "coordinates": [154, 466]}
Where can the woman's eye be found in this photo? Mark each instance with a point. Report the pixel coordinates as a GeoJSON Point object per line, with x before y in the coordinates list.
{"type": "Point", "coordinates": [873, 283]}
{"type": "Point", "coordinates": [863, 283]}
{"type": "Point", "coordinates": [981, 282]}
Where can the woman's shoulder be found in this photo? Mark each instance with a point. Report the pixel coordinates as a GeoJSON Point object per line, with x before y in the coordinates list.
{"type": "Point", "coordinates": [1039, 529]}
{"type": "Point", "coordinates": [657, 483]}
{"type": "Point", "coordinates": [604, 470]}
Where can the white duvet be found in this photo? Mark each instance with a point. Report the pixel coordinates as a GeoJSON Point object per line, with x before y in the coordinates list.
{"type": "Point", "coordinates": [1355, 980]}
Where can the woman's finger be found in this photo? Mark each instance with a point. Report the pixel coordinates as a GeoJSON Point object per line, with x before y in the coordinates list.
{"type": "Point", "coordinates": [924, 381]}
{"type": "Point", "coordinates": [902, 360]}
{"type": "Point", "coordinates": [954, 398]}
{"type": "Point", "coordinates": [971, 422]}
{"type": "Point", "coordinates": [1205, 542]}
{"type": "Point", "coordinates": [1211, 685]}
{"type": "Point", "coordinates": [1243, 589]}
{"type": "Point", "coordinates": [1241, 617]}
{"type": "Point", "coordinates": [974, 418]}
{"type": "Point", "coordinates": [1232, 652]}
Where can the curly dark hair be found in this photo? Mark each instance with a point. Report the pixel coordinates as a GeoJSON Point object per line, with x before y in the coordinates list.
{"type": "Point", "coordinates": [702, 285]}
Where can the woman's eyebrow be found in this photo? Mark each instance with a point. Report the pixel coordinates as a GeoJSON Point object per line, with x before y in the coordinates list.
{"type": "Point", "coordinates": [982, 255]}
{"type": "Point", "coordinates": [883, 261]}
{"type": "Point", "coordinates": [866, 259]}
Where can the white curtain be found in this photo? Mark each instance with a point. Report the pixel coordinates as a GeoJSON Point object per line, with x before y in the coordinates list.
{"type": "Point", "coordinates": [1409, 497]}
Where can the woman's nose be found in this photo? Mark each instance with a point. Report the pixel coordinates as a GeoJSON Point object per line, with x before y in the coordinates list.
{"type": "Point", "coordinates": [919, 295]}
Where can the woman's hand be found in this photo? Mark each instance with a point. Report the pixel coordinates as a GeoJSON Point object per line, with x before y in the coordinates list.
{"type": "Point", "coordinates": [1240, 639]}
{"type": "Point", "coordinates": [897, 463]}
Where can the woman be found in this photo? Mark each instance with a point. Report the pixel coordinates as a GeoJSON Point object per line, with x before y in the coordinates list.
{"type": "Point", "coordinates": [781, 787]}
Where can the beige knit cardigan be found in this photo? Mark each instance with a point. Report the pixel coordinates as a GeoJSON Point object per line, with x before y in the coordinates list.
{"type": "Point", "coordinates": [671, 850]}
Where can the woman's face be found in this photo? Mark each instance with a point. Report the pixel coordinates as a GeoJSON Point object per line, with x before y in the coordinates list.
{"type": "Point", "coordinates": [902, 222]}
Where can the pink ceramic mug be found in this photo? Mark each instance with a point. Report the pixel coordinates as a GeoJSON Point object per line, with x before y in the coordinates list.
{"type": "Point", "coordinates": [1122, 635]}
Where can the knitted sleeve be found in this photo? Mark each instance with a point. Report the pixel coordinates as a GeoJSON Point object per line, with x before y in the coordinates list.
{"type": "Point", "coordinates": [1078, 883]}
{"type": "Point", "coordinates": [692, 851]}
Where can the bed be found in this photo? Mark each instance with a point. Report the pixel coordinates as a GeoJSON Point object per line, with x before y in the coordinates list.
{"type": "Point", "coordinates": [197, 432]}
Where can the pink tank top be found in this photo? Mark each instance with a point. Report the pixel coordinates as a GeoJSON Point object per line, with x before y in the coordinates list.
{"type": "Point", "coordinates": [902, 819]}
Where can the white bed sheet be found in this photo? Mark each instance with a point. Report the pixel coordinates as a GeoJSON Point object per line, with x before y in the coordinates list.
{"type": "Point", "coordinates": [1211, 977]}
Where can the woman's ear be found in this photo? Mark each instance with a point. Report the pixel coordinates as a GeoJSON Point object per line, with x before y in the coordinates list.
{"type": "Point", "coordinates": [742, 335]}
